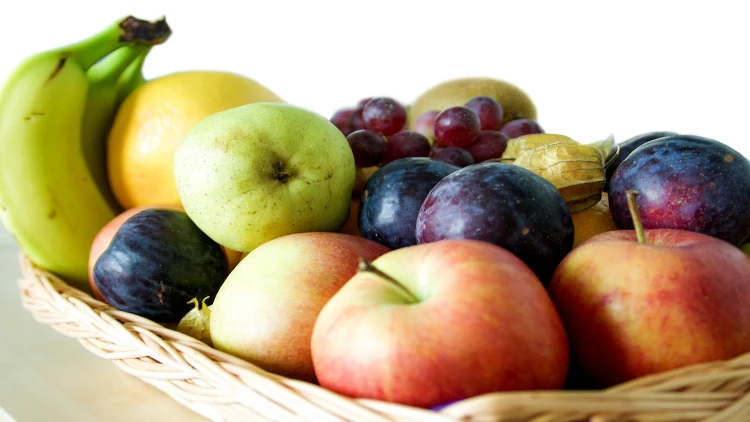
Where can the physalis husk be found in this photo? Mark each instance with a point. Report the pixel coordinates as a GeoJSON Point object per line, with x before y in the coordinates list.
{"type": "Point", "coordinates": [521, 144]}
{"type": "Point", "coordinates": [575, 169]}
{"type": "Point", "coordinates": [196, 323]}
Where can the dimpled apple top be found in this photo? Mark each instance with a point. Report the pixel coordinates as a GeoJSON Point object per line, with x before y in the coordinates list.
{"type": "Point", "coordinates": [263, 170]}
{"type": "Point", "coordinates": [685, 182]}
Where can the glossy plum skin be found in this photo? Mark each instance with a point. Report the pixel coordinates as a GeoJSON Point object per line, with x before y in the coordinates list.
{"type": "Point", "coordinates": [392, 197]}
{"type": "Point", "coordinates": [158, 261]}
{"type": "Point", "coordinates": [626, 147]}
{"type": "Point", "coordinates": [685, 182]}
{"type": "Point", "coordinates": [503, 204]}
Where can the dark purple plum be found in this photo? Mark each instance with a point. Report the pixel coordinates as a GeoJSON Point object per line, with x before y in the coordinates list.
{"type": "Point", "coordinates": [626, 147]}
{"type": "Point", "coordinates": [503, 204]}
{"type": "Point", "coordinates": [488, 145]}
{"type": "Point", "coordinates": [521, 127]}
{"type": "Point", "coordinates": [404, 144]}
{"type": "Point", "coordinates": [384, 116]}
{"type": "Point", "coordinates": [157, 261]}
{"type": "Point", "coordinates": [342, 119]}
{"type": "Point", "coordinates": [453, 155]}
{"type": "Point", "coordinates": [456, 127]}
{"type": "Point", "coordinates": [489, 110]}
{"type": "Point", "coordinates": [368, 148]}
{"type": "Point", "coordinates": [392, 197]}
{"type": "Point", "coordinates": [685, 182]}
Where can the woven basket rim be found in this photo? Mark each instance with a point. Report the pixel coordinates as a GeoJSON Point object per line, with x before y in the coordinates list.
{"type": "Point", "coordinates": [222, 387]}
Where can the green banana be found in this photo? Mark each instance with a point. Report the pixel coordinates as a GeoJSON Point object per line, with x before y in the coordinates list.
{"type": "Point", "coordinates": [104, 97]}
{"type": "Point", "coordinates": [55, 111]}
{"type": "Point", "coordinates": [131, 78]}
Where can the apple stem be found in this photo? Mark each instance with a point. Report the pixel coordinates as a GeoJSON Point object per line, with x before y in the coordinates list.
{"type": "Point", "coordinates": [635, 214]}
{"type": "Point", "coordinates": [365, 265]}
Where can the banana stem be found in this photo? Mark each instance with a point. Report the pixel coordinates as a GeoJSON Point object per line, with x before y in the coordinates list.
{"type": "Point", "coordinates": [113, 65]}
{"type": "Point", "coordinates": [132, 77]}
{"type": "Point", "coordinates": [126, 31]}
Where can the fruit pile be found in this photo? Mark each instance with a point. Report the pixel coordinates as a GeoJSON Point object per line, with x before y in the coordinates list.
{"type": "Point", "coordinates": [418, 254]}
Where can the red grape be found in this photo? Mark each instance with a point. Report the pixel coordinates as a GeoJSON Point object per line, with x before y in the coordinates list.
{"type": "Point", "coordinates": [368, 148]}
{"type": "Point", "coordinates": [342, 119]}
{"type": "Point", "coordinates": [406, 143]}
{"type": "Point", "coordinates": [489, 144]}
{"type": "Point", "coordinates": [520, 127]}
{"type": "Point", "coordinates": [384, 115]}
{"type": "Point", "coordinates": [356, 121]}
{"type": "Point", "coordinates": [363, 102]}
{"type": "Point", "coordinates": [456, 126]}
{"type": "Point", "coordinates": [453, 155]}
{"type": "Point", "coordinates": [425, 123]}
{"type": "Point", "coordinates": [489, 110]}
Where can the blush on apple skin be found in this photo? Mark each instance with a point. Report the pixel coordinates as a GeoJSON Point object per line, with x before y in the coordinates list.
{"type": "Point", "coordinates": [483, 323]}
{"type": "Point", "coordinates": [265, 311]}
{"type": "Point", "coordinates": [637, 309]}
{"type": "Point", "coordinates": [685, 182]}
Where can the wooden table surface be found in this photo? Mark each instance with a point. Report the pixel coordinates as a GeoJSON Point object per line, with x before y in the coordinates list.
{"type": "Point", "coordinates": [45, 376]}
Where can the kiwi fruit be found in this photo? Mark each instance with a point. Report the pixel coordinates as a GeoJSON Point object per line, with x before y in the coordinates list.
{"type": "Point", "coordinates": [456, 92]}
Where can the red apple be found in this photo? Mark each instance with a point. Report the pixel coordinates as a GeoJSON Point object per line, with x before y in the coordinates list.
{"type": "Point", "coordinates": [633, 309]}
{"type": "Point", "coordinates": [438, 322]}
{"type": "Point", "coordinates": [265, 310]}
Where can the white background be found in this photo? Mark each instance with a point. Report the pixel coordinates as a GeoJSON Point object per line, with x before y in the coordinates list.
{"type": "Point", "coordinates": [592, 68]}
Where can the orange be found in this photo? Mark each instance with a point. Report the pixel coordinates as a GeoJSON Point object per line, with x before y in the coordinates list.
{"type": "Point", "coordinates": [351, 226]}
{"type": "Point", "coordinates": [154, 118]}
{"type": "Point", "coordinates": [592, 221]}
{"type": "Point", "coordinates": [233, 257]}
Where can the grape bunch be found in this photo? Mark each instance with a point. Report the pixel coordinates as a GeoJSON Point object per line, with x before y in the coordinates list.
{"type": "Point", "coordinates": [461, 135]}
{"type": "Point", "coordinates": [377, 133]}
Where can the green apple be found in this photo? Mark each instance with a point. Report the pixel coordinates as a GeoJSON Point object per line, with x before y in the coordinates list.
{"type": "Point", "coordinates": [746, 248]}
{"type": "Point", "coordinates": [256, 172]}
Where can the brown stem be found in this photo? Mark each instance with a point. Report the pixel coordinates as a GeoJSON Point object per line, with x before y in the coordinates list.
{"type": "Point", "coordinates": [150, 33]}
{"type": "Point", "coordinates": [366, 266]}
{"type": "Point", "coordinates": [636, 215]}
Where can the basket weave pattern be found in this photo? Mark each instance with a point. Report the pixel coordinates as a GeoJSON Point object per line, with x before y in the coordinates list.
{"type": "Point", "coordinates": [224, 388]}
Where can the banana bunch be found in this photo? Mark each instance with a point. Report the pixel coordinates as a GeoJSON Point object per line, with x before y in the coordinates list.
{"type": "Point", "coordinates": [56, 110]}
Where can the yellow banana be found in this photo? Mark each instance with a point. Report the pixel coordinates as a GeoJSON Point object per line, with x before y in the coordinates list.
{"type": "Point", "coordinates": [53, 121]}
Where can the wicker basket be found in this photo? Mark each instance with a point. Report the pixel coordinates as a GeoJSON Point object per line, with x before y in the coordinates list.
{"type": "Point", "coordinates": [224, 388]}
